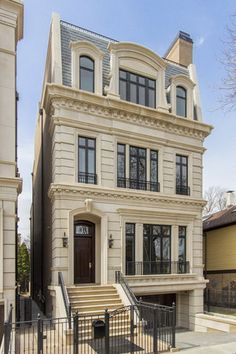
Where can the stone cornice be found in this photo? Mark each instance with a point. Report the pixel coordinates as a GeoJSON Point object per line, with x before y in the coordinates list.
{"type": "Point", "coordinates": [12, 182]}
{"type": "Point", "coordinates": [58, 190]}
{"type": "Point", "coordinates": [13, 15]}
{"type": "Point", "coordinates": [57, 97]}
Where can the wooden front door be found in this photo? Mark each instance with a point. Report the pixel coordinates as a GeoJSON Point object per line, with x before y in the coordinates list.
{"type": "Point", "coordinates": [84, 252]}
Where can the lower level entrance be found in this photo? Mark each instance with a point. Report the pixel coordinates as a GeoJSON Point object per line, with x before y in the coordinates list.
{"type": "Point", "coordinates": [84, 252]}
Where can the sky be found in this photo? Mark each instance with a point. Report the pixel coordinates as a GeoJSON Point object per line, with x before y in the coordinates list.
{"type": "Point", "coordinates": [154, 24]}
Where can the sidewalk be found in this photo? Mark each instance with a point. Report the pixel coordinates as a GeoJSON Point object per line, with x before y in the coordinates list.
{"type": "Point", "coordinates": [210, 343]}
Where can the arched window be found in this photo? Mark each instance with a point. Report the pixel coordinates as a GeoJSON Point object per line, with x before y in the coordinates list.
{"type": "Point", "coordinates": [86, 66]}
{"type": "Point", "coordinates": [181, 101]}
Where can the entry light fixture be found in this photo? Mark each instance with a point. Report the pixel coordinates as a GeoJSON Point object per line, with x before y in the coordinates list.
{"type": "Point", "coordinates": [65, 240]}
{"type": "Point", "coordinates": [110, 241]}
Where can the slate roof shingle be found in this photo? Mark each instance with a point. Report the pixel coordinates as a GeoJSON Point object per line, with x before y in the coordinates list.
{"type": "Point", "coordinates": [71, 32]}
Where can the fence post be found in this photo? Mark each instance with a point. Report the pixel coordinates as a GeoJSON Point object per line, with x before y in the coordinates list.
{"type": "Point", "coordinates": [107, 332]}
{"type": "Point", "coordinates": [173, 325]}
{"type": "Point", "coordinates": [40, 334]}
{"type": "Point", "coordinates": [75, 333]}
{"type": "Point", "coordinates": [208, 300]}
{"type": "Point", "coordinates": [155, 330]}
{"type": "Point", "coordinates": [131, 328]}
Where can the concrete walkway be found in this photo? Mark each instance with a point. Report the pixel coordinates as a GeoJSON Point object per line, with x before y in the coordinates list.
{"type": "Point", "coordinates": [209, 343]}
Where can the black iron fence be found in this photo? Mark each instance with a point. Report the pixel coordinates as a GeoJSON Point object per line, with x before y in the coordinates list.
{"type": "Point", "coordinates": [8, 332]}
{"type": "Point", "coordinates": [156, 267]}
{"type": "Point", "coordinates": [119, 331]}
{"type": "Point", "coordinates": [219, 298]}
{"type": "Point", "coordinates": [90, 178]}
{"type": "Point", "coordinates": [181, 189]}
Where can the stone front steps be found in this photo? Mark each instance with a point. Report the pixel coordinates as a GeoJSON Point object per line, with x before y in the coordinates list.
{"type": "Point", "coordinates": [94, 299]}
{"type": "Point", "coordinates": [91, 302]}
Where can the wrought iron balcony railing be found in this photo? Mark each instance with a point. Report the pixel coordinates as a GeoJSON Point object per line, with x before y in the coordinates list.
{"type": "Point", "coordinates": [90, 178]}
{"type": "Point", "coordinates": [138, 184]}
{"type": "Point", "coordinates": [184, 190]}
{"type": "Point", "coordinates": [159, 267]}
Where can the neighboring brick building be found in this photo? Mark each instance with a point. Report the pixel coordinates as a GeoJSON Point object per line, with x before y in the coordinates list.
{"type": "Point", "coordinates": [117, 182]}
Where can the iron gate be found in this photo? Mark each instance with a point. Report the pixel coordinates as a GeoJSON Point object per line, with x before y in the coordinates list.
{"type": "Point", "coordinates": [142, 328]}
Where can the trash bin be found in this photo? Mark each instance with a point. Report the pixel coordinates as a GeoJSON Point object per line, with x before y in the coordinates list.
{"type": "Point", "coordinates": [98, 329]}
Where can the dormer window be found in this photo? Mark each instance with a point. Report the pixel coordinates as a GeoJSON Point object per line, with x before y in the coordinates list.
{"type": "Point", "coordinates": [137, 89]}
{"type": "Point", "coordinates": [86, 65]}
{"type": "Point", "coordinates": [181, 101]}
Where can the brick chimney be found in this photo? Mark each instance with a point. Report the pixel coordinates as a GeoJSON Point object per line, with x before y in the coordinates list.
{"type": "Point", "coordinates": [181, 49]}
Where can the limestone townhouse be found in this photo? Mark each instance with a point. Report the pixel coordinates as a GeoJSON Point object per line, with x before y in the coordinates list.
{"type": "Point", "coordinates": [117, 179]}
{"type": "Point", "coordinates": [11, 31]}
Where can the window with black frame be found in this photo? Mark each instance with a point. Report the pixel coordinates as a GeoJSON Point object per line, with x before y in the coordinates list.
{"type": "Point", "coordinates": [182, 266]}
{"type": "Point", "coordinates": [130, 248]}
{"type": "Point", "coordinates": [121, 180]}
{"type": "Point", "coordinates": [182, 175]}
{"type": "Point", "coordinates": [87, 160]}
{"type": "Point", "coordinates": [181, 101]}
{"type": "Point", "coordinates": [137, 168]}
{"type": "Point", "coordinates": [156, 249]}
{"type": "Point", "coordinates": [86, 74]}
{"type": "Point", "coordinates": [137, 89]}
{"type": "Point", "coordinates": [154, 185]}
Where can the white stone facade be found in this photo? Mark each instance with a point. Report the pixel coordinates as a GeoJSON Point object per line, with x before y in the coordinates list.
{"type": "Point", "coordinates": [11, 28]}
{"type": "Point", "coordinates": [69, 113]}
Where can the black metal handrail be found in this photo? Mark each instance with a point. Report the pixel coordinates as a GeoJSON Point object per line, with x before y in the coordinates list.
{"type": "Point", "coordinates": [120, 279]}
{"type": "Point", "coordinates": [157, 267]}
{"type": "Point", "coordinates": [138, 184]}
{"type": "Point", "coordinates": [65, 297]}
{"type": "Point", "coordinates": [8, 331]}
{"type": "Point", "coordinates": [90, 178]}
{"type": "Point", "coordinates": [184, 190]}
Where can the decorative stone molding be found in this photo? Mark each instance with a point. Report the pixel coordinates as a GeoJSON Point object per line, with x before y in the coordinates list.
{"type": "Point", "coordinates": [12, 182]}
{"type": "Point", "coordinates": [140, 60]}
{"type": "Point", "coordinates": [59, 97]}
{"type": "Point", "coordinates": [80, 48]}
{"type": "Point", "coordinates": [57, 191]}
{"type": "Point", "coordinates": [11, 14]}
{"type": "Point", "coordinates": [188, 85]}
{"type": "Point", "coordinates": [88, 205]}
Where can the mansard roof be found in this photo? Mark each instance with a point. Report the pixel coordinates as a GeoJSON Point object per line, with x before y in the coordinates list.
{"type": "Point", "coordinates": [71, 33]}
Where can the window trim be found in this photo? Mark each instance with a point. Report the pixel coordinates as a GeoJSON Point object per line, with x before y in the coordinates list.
{"type": "Point", "coordinates": [85, 48]}
{"type": "Point", "coordinates": [178, 97]}
{"type": "Point", "coordinates": [184, 189]}
{"type": "Point", "coordinates": [133, 235]}
{"type": "Point", "coordinates": [86, 174]}
{"type": "Point", "coordinates": [86, 69]}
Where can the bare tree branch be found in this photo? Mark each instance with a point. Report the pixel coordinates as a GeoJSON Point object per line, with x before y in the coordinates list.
{"type": "Point", "coordinates": [216, 200]}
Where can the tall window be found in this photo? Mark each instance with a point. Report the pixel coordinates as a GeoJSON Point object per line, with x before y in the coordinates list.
{"type": "Point", "coordinates": [86, 74]}
{"type": "Point", "coordinates": [137, 167]}
{"type": "Point", "coordinates": [121, 181]}
{"type": "Point", "coordinates": [137, 89]}
{"type": "Point", "coordinates": [156, 249]}
{"type": "Point", "coordinates": [182, 175]}
{"type": "Point", "coordinates": [182, 250]}
{"type": "Point", "coordinates": [87, 160]}
{"type": "Point", "coordinates": [130, 248]}
{"type": "Point", "coordinates": [181, 101]}
{"type": "Point", "coordinates": [154, 171]}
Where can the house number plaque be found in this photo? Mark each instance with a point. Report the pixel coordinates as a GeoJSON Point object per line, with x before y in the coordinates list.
{"type": "Point", "coordinates": [82, 230]}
